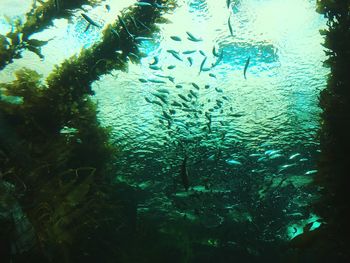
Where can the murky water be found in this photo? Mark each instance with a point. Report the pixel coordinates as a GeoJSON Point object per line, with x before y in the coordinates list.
{"type": "Point", "coordinates": [250, 140]}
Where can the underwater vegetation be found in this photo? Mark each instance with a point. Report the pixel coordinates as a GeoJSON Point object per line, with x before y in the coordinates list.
{"type": "Point", "coordinates": [331, 241]}
{"type": "Point", "coordinates": [40, 17]}
{"type": "Point", "coordinates": [58, 201]}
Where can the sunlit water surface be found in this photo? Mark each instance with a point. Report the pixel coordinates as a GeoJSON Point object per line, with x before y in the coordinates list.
{"type": "Point", "coordinates": [251, 142]}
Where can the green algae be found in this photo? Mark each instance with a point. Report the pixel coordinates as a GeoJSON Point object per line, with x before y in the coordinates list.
{"type": "Point", "coordinates": [37, 19]}
{"type": "Point", "coordinates": [62, 166]}
{"type": "Point", "coordinates": [331, 240]}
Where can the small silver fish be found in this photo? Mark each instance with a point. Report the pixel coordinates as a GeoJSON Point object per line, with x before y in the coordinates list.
{"type": "Point", "coordinates": [187, 52]}
{"type": "Point", "coordinates": [133, 21]}
{"type": "Point", "coordinates": [216, 54]}
{"type": "Point", "coordinates": [162, 98]}
{"type": "Point", "coordinates": [166, 115]}
{"type": "Point", "coordinates": [159, 6]}
{"type": "Point", "coordinates": [192, 37]}
{"type": "Point", "coordinates": [156, 81]}
{"type": "Point", "coordinates": [294, 155]}
{"type": "Point", "coordinates": [194, 94]}
{"type": "Point", "coordinates": [175, 54]}
{"type": "Point", "coordinates": [90, 21]}
{"type": "Point", "coordinates": [166, 77]}
{"type": "Point", "coordinates": [185, 105]}
{"type": "Point", "coordinates": [163, 91]}
{"type": "Point", "coordinates": [183, 97]}
{"type": "Point", "coordinates": [142, 38]}
{"type": "Point", "coordinates": [174, 103]}
{"type": "Point", "coordinates": [171, 67]}
{"type": "Point", "coordinates": [195, 85]}
{"type": "Point", "coordinates": [233, 162]}
{"type": "Point", "coordinates": [190, 60]}
{"type": "Point", "coordinates": [157, 102]}
{"type": "Point", "coordinates": [142, 24]}
{"type": "Point", "coordinates": [245, 67]}
{"type": "Point", "coordinates": [175, 38]}
{"type": "Point", "coordinates": [271, 152]}
{"type": "Point", "coordinates": [142, 4]}
{"type": "Point", "coordinates": [172, 51]}
{"type": "Point", "coordinates": [155, 67]}
{"type": "Point", "coordinates": [125, 27]}
{"type": "Point", "coordinates": [229, 25]}
{"type": "Point", "coordinates": [220, 57]}
{"type": "Point", "coordinates": [219, 102]}
{"type": "Point", "coordinates": [155, 60]}
{"type": "Point", "coordinates": [114, 32]}
{"type": "Point", "coordinates": [311, 172]}
{"type": "Point", "coordinates": [133, 55]}
{"type": "Point", "coordinates": [202, 64]}
{"type": "Point", "coordinates": [207, 115]}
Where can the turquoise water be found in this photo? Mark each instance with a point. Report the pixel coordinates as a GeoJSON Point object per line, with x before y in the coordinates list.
{"type": "Point", "coordinates": [251, 143]}
{"type": "Point", "coordinates": [257, 124]}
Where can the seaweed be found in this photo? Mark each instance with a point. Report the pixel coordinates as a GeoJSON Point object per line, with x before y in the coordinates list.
{"type": "Point", "coordinates": [333, 172]}
{"type": "Point", "coordinates": [37, 19]}
{"type": "Point", "coordinates": [59, 159]}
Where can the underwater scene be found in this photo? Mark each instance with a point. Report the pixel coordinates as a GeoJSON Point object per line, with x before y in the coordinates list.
{"type": "Point", "coordinates": [159, 130]}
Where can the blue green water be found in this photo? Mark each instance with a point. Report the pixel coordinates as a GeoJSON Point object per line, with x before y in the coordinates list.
{"type": "Point", "coordinates": [251, 143]}
{"type": "Point", "coordinates": [242, 166]}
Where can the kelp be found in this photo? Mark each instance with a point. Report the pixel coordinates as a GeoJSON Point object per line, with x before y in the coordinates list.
{"type": "Point", "coordinates": [335, 102]}
{"type": "Point", "coordinates": [333, 170]}
{"type": "Point", "coordinates": [56, 171]}
{"type": "Point", "coordinates": [10, 45]}
{"type": "Point", "coordinates": [59, 160]}
{"type": "Point", "coordinates": [37, 19]}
